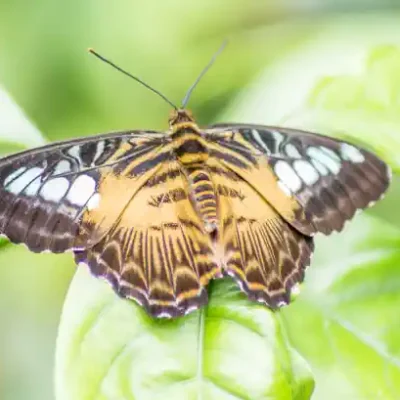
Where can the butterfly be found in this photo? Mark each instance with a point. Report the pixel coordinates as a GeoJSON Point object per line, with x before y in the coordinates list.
{"type": "Point", "coordinates": [160, 214]}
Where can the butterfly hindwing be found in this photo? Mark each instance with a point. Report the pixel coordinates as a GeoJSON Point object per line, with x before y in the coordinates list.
{"type": "Point", "coordinates": [157, 251]}
{"type": "Point", "coordinates": [260, 250]}
{"type": "Point", "coordinates": [45, 192]}
{"type": "Point", "coordinates": [328, 179]}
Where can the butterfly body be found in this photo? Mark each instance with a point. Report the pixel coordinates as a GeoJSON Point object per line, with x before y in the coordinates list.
{"type": "Point", "coordinates": [191, 151]}
{"type": "Point", "coordinates": [158, 215]}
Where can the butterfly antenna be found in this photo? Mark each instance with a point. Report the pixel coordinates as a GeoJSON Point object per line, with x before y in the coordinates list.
{"type": "Point", "coordinates": [133, 77]}
{"type": "Point", "coordinates": [207, 67]}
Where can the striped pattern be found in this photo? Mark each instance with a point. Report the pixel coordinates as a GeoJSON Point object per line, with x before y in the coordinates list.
{"type": "Point", "coordinates": [329, 180]}
{"type": "Point", "coordinates": [45, 193]}
{"type": "Point", "coordinates": [205, 200]}
{"type": "Point", "coordinates": [158, 215]}
{"type": "Point", "coordinates": [261, 251]}
{"type": "Point", "coordinates": [155, 251]}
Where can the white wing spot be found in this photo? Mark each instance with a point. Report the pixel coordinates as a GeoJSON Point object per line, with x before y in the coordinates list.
{"type": "Point", "coordinates": [191, 309]}
{"type": "Point", "coordinates": [27, 179]}
{"type": "Point", "coordinates": [351, 153]}
{"type": "Point", "coordinates": [291, 151]}
{"type": "Point", "coordinates": [164, 314]}
{"type": "Point", "coordinates": [99, 151]}
{"type": "Point", "coordinates": [281, 303]}
{"type": "Point", "coordinates": [62, 167]}
{"type": "Point", "coordinates": [258, 139]}
{"type": "Point", "coordinates": [278, 137]}
{"type": "Point", "coordinates": [13, 175]}
{"type": "Point", "coordinates": [33, 188]}
{"type": "Point", "coordinates": [330, 152]}
{"type": "Point", "coordinates": [320, 167]}
{"type": "Point", "coordinates": [284, 188]}
{"type": "Point", "coordinates": [288, 176]}
{"type": "Point", "coordinates": [54, 189]}
{"type": "Point", "coordinates": [74, 152]}
{"type": "Point", "coordinates": [137, 300]}
{"type": "Point", "coordinates": [94, 202]}
{"type": "Point", "coordinates": [81, 190]}
{"type": "Point", "coordinates": [333, 164]}
{"type": "Point", "coordinates": [239, 283]}
{"type": "Point", "coordinates": [306, 171]}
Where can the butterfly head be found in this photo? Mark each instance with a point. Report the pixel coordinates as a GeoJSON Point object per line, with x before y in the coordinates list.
{"type": "Point", "coordinates": [182, 123]}
{"type": "Point", "coordinates": [180, 116]}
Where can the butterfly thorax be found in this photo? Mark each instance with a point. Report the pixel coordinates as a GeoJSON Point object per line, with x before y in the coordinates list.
{"type": "Point", "coordinates": [188, 144]}
{"type": "Point", "coordinates": [191, 152]}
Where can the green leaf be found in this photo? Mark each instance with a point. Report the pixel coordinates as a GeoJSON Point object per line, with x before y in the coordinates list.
{"type": "Point", "coordinates": [349, 309]}
{"type": "Point", "coordinates": [110, 348]}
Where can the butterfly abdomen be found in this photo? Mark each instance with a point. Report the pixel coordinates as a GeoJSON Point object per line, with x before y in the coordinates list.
{"type": "Point", "coordinates": [203, 195]}
{"type": "Point", "coordinates": [192, 153]}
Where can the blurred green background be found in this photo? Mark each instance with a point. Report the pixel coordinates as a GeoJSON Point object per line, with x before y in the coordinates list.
{"type": "Point", "coordinates": [64, 92]}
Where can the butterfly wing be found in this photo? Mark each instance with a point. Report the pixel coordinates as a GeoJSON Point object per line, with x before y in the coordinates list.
{"type": "Point", "coordinates": [316, 183]}
{"type": "Point", "coordinates": [258, 248]}
{"type": "Point", "coordinates": [46, 193]}
{"type": "Point", "coordinates": [157, 251]}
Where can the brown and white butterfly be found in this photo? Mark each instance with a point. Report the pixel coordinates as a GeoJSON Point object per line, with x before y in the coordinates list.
{"type": "Point", "coordinates": [158, 215]}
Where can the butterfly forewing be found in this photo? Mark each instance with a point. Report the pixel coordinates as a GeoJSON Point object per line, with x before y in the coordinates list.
{"type": "Point", "coordinates": [325, 180]}
{"type": "Point", "coordinates": [46, 193]}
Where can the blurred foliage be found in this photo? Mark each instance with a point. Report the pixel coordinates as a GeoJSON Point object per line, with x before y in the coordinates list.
{"type": "Point", "coordinates": [345, 322]}
{"type": "Point", "coordinates": [68, 92]}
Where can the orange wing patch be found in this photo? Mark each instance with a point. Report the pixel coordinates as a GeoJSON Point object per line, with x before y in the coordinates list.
{"type": "Point", "coordinates": [259, 175]}
{"type": "Point", "coordinates": [115, 193]}
{"type": "Point", "coordinates": [157, 251]}
{"type": "Point", "coordinates": [264, 254]}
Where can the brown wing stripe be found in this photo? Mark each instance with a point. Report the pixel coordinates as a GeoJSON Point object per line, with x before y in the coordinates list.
{"type": "Point", "coordinates": [261, 251]}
